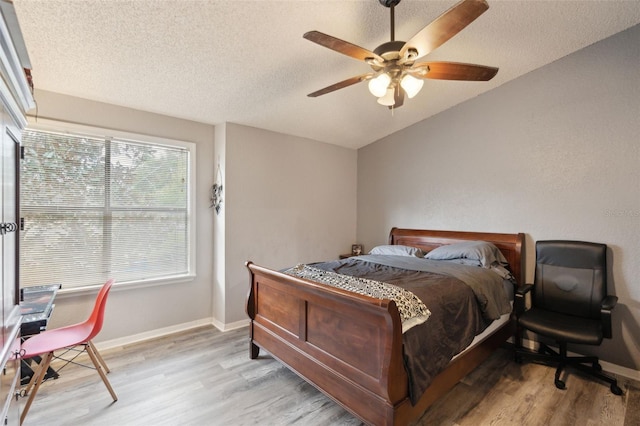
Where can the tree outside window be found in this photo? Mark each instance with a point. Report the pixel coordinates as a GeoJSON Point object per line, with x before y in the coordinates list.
{"type": "Point", "coordinates": [96, 208]}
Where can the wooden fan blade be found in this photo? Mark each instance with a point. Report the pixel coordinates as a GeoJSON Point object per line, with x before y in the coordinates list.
{"type": "Point", "coordinates": [445, 26]}
{"type": "Point", "coordinates": [340, 85]}
{"type": "Point", "coordinates": [453, 71]}
{"type": "Point", "coordinates": [341, 46]}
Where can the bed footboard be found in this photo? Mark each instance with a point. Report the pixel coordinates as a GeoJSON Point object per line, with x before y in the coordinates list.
{"type": "Point", "coordinates": [349, 346]}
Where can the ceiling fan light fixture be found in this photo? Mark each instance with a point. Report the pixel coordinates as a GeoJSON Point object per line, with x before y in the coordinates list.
{"type": "Point", "coordinates": [411, 85]}
{"type": "Point", "coordinates": [378, 86]}
{"type": "Point", "coordinates": [388, 99]}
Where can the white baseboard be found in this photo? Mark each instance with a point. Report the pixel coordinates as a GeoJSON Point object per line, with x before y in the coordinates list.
{"type": "Point", "coordinates": [153, 334]}
{"type": "Point", "coordinates": [609, 367]}
{"type": "Point", "coordinates": [618, 370]}
{"type": "Point", "coordinates": [232, 326]}
{"type": "Point", "coordinates": [161, 332]}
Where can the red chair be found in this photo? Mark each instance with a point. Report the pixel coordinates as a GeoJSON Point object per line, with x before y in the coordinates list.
{"type": "Point", "coordinates": [45, 343]}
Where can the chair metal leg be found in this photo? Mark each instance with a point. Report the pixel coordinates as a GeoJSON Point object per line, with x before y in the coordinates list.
{"type": "Point", "coordinates": [548, 356]}
{"type": "Point", "coordinates": [98, 365]}
{"type": "Point", "coordinates": [562, 353]}
{"type": "Point", "coordinates": [613, 382]}
{"type": "Point", "coordinates": [559, 383]}
{"type": "Point", "coordinates": [546, 349]}
{"type": "Point", "coordinates": [35, 382]}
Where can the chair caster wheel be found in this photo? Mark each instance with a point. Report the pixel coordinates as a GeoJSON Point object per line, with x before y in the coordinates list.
{"type": "Point", "coordinates": [560, 384]}
{"type": "Point", "coordinates": [615, 389]}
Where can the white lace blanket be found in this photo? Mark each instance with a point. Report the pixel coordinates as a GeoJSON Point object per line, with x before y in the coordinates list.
{"type": "Point", "coordinates": [412, 310]}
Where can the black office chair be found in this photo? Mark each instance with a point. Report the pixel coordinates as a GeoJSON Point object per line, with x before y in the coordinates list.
{"type": "Point", "coordinates": [569, 303]}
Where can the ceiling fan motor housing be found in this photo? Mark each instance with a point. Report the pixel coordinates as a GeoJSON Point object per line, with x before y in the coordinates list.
{"type": "Point", "coordinates": [389, 47]}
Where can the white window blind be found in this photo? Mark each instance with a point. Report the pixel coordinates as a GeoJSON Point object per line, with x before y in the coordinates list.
{"type": "Point", "coordinates": [99, 208]}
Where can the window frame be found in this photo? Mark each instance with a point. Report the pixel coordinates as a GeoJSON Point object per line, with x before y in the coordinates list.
{"type": "Point", "coordinates": [47, 125]}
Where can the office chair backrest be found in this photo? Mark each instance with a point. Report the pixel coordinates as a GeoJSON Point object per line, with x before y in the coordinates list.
{"type": "Point", "coordinates": [97, 315]}
{"type": "Point", "coordinates": [570, 277]}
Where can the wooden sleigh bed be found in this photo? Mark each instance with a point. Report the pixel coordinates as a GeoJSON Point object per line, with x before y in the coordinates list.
{"type": "Point", "coordinates": [350, 346]}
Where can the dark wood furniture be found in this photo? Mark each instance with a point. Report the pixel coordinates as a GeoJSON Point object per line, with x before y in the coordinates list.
{"type": "Point", "coordinates": [15, 100]}
{"type": "Point", "coordinates": [349, 346]}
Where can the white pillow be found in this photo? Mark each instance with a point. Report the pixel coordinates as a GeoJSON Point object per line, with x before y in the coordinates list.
{"type": "Point", "coordinates": [397, 250]}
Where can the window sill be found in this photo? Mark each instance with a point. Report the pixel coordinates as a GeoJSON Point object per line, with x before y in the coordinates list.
{"type": "Point", "coordinates": [129, 285]}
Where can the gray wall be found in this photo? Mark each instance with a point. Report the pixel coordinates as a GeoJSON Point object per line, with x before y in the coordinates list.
{"type": "Point", "coordinates": [288, 200]}
{"type": "Point", "coordinates": [554, 154]}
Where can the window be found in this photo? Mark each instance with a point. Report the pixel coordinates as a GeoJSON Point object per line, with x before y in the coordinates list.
{"type": "Point", "coordinates": [102, 207]}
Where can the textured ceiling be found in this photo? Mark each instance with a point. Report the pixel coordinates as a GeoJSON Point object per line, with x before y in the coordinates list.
{"type": "Point", "coordinates": [246, 61]}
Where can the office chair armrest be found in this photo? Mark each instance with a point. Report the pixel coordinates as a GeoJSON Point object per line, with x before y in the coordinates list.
{"type": "Point", "coordinates": [524, 289]}
{"type": "Point", "coordinates": [608, 303]}
{"type": "Point", "coordinates": [606, 306]}
{"type": "Point", "coordinates": [520, 295]}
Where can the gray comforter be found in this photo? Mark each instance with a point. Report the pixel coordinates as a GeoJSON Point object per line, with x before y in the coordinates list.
{"type": "Point", "coordinates": [463, 301]}
{"type": "Point", "coordinates": [487, 285]}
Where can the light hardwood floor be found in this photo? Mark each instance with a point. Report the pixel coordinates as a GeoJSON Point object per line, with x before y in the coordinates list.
{"type": "Point", "coordinates": [205, 377]}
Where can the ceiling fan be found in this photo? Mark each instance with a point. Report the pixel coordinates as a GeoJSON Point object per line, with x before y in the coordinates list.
{"type": "Point", "coordinates": [395, 72]}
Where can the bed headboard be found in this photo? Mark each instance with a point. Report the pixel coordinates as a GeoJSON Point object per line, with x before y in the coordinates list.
{"type": "Point", "coordinates": [511, 245]}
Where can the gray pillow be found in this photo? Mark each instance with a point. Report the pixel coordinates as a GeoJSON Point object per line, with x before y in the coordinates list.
{"type": "Point", "coordinates": [486, 253]}
{"type": "Point", "coordinates": [461, 261]}
{"type": "Point", "coordinates": [397, 250]}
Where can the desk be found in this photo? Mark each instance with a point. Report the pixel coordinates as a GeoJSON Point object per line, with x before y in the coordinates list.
{"type": "Point", "coordinates": [36, 306]}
